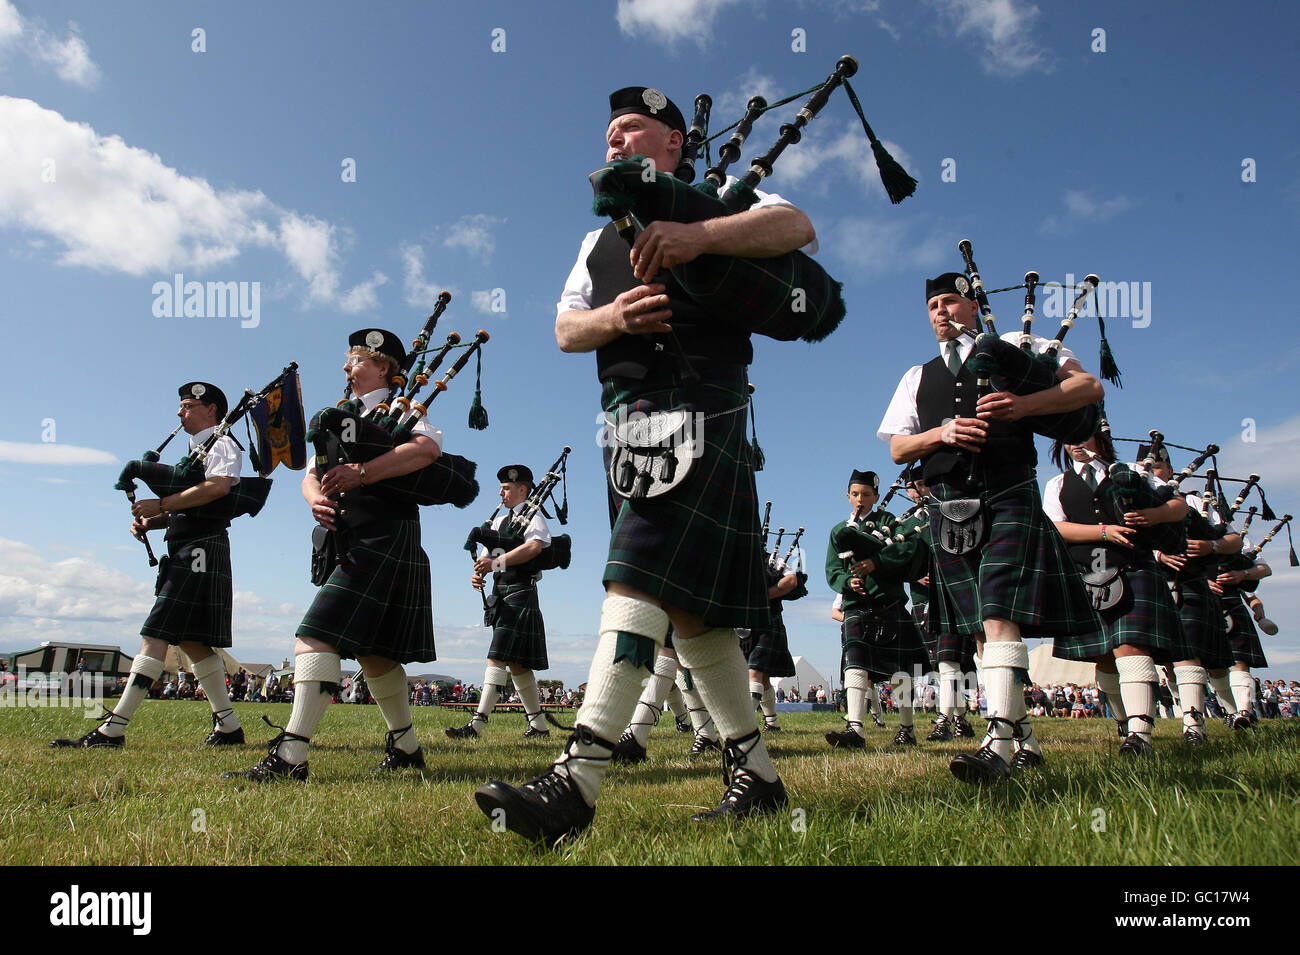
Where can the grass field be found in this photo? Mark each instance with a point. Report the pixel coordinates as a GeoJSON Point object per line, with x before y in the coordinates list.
{"type": "Point", "coordinates": [161, 799]}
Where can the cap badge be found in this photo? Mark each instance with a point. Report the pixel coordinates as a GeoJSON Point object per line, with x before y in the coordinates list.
{"type": "Point", "coordinates": [374, 339]}
{"type": "Point", "coordinates": [655, 100]}
{"type": "Point", "coordinates": [198, 391]}
{"type": "Point", "coordinates": [962, 285]}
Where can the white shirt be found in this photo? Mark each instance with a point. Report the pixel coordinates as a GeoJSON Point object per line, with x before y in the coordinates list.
{"type": "Point", "coordinates": [902, 417]}
{"type": "Point", "coordinates": [1052, 492]}
{"type": "Point", "coordinates": [224, 458]}
{"type": "Point", "coordinates": [537, 529]}
{"type": "Point", "coordinates": [372, 398]}
{"type": "Point", "coordinates": [577, 287]}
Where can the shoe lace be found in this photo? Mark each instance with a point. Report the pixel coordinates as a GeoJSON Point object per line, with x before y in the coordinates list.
{"type": "Point", "coordinates": [545, 785]}
{"type": "Point", "coordinates": [274, 745]}
{"type": "Point", "coordinates": [904, 733]}
{"type": "Point", "coordinates": [219, 716]}
{"type": "Point", "coordinates": [109, 718]}
{"type": "Point", "coordinates": [390, 741]}
{"type": "Point", "coordinates": [734, 760]}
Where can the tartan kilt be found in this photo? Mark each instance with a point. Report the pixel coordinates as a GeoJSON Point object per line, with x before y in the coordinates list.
{"type": "Point", "coordinates": [1022, 572]}
{"type": "Point", "coordinates": [378, 600]}
{"type": "Point", "coordinates": [767, 650]}
{"type": "Point", "coordinates": [1243, 638]}
{"type": "Point", "coordinates": [1153, 622]}
{"type": "Point", "coordinates": [193, 605]}
{"type": "Point", "coordinates": [696, 548]}
{"type": "Point", "coordinates": [519, 633]}
{"type": "Point", "coordinates": [1204, 635]}
{"type": "Point", "coordinates": [956, 648]}
{"type": "Point", "coordinates": [882, 641]}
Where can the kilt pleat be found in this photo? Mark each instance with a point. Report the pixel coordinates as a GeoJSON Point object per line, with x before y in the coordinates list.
{"type": "Point", "coordinates": [1153, 622]}
{"type": "Point", "coordinates": [1204, 635]}
{"type": "Point", "coordinates": [956, 648]}
{"type": "Point", "coordinates": [1243, 638]}
{"type": "Point", "coordinates": [193, 604]}
{"type": "Point", "coordinates": [696, 548]}
{"type": "Point", "coordinates": [882, 641]}
{"type": "Point", "coordinates": [767, 649]}
{"type": "Point", "coordinates": [1022, 572]}
{"type": "Point", "coordinates": [519, 633]}
{"type": "Point", "coordinates": [378, 600]}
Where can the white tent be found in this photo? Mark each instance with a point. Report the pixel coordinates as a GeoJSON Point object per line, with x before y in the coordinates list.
{"type": "Point", "coordinates": [177, 659]}
{"type": "Point", "coordinates": [1045, 668]}
{"type": "Point", "coordinates": [805, 675]}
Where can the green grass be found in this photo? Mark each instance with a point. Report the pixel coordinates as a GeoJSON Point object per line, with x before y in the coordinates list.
{"type": "Point", "coordinates": [1232, 802]}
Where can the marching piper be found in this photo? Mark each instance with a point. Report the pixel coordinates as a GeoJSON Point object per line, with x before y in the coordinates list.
{"type": "Point", "coordinates": [194, 599]}
{"type": "Point", "coordinates": [689, 553]}
{"type": "Point", "coordinates": [767, 649]}
{"type": "Point", "coordinates": [1001, 571]}
{"type": "Point", "coordinates": [376, 605]}
{"type": "Point", "coordinates": [518, 646]}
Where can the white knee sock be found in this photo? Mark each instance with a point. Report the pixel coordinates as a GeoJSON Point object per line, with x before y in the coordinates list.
{"type": "Point", "coordinates": [1137, 686]}
{"type": "Point", "coordinates": [315, 677]}
{"type": "Point", "coordinates": [144, 670]}
{"type": "Point", "coordinates": [949, 682]}
{"type": "Point", "coordinates": [647, 711]}
{"type": "Point", "coordinates": [874, 696]}
{"type": "Point", "coordinates": [526, 684]}
{"type": "Point", "coordinates": [1191, 695]}
{"type": "Point", "coordinates": [393, 697]}
{"type": "Point", "coordinates": [612, 689]}
{"type": "Point", "coordinates": [857, 685]}
{"type": "Point", "coordinates": [1109, 683]}
{"type": "Point", "coordinates": [701, 721]}
{"type": "Point", "coordinates": [494, 680]}
{"type": "Point", "coordinates": [674, 700]}
{"type": "Point", "coordinates": [901, 689]}
{"type": "Point", "coordinates": [768, 705]}
{"type": "Point", "coordinates": [1223, 691]}
{"type": "Point", "coordinates": [1243, 690]}
{"type": "Point", "coordinates": [1006, 698]}
{"type": "Point", "coordinates": [211, 674]}
{"type": "Point", "coordinates": [718, 669]}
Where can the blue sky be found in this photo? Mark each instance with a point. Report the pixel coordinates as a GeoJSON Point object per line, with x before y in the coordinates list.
{"type": "Point", "coordinates": [473, 128]}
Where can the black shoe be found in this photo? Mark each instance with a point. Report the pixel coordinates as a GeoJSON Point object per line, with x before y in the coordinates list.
{"type": "Point", "coordinates": [462, 732]}
{"type": "Point", "coordinates": [703, 746]}
{"type": "Point", "coordinates": [272, 765]}
{"type": "Point", "coordinates": [906, 736]}
{"type": "Point", "coordinates": [1240, 722]}
{"type": "Point", "coordinates": [1025, 759]}
{"type": "Point", "coordinates": [92, 739]}
{"type": "Point", "coordinates": [981, 766]}
{"type": "Point", "coordinates": [772, 727]}
{"type": "Point", "coordinates": [746, 793]}
{"type": "Point", "coordinates": [684, 725]}
{"type": "Point", "coordinates": [942, 731]}
{"type": "Point", "coordinates": [1121, 727]}
{"type": "Point", "coordinates": [845, 739]}
{"type": "Point", "coordinates": [962, 728]}
{"type": "Point", "coordinates": [1194, 737]}
{"type": "Point", "coordinates": [880, 724]}
{"type": "Point", "coordinates": [1135, 746]}
{"type": "Point", "coordinates": [628, 750]}
{"type": "Point", "coordinates": [219, 738]}
{"type": "Point", "coordinates": [549, 808]}
{"type": "Point", "coordinates": [534, 733]}
{"type": "Point", "coordinates": [395, 758]}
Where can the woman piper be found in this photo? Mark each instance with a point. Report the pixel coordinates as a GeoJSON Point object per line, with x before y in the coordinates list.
{"type": "Point", "coordinates": [376, 606]}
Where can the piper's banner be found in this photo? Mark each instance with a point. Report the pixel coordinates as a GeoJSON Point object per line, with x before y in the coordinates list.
{"type": "Point", "coordinates": [281, 428]}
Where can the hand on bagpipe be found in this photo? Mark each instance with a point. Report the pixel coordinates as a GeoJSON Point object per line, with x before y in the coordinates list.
{"type": "Point", "coordinates": [511, 534]}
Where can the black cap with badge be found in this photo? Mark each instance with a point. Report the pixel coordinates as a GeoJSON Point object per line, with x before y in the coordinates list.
{"type": "Point", "coordinates": [205, 392]}
{"type": "Point", "coordinates": [516, 474]}
{"type": "Point", "coordinates": [1144, 452]}
{"type": "Point", "coordinates": [950, 282]}
{"type": "Point", "coordinates": [870, 478]}
{"type": "Point", "coordinates": [379, 340]}
{"type": "Point", "coordinates": [645, 101]}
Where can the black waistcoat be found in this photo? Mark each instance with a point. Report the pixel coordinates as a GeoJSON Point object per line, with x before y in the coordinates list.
{"type": "Point", "coordinates": [1082, 507]}
{"type": "Point", "coordinates": [635, 356]}
{"type": "Point", "coordinates": [1008, 453]}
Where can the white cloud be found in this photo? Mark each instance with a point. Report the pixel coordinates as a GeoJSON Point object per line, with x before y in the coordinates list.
{"type": "Point", "coordinates": [119, 208]}
{"type": "Point", "coordinates": [1081, 207]}
{"type": "Point", "coordinates": [886, 244]}
{"type": "Point", "coordinates": [69, 56]}
{"type": "Point", "coordinates": [671, 21]}
{"type": "Point", "coordinates": [474, 235]}
{"type": "Point", "coordinates": [482, 302]}
{"type": "Point", "coordinates": [416, 291]}
{"type": "Point", "coordinates": [1275, 456]}
{"type": "Point", "coordinates": [363, 297]}
{"type": "Point", "coordinates": [1004, 29]}
{"type": "Point", "coordinates": [41, 453]}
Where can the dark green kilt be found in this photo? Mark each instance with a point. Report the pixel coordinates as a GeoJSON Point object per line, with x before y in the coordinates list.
{"type": "Point", "coordinates": [518, 633]}
{"type": "Point", "coordinates": [696, 548]}
{"type": "Point", "coordinates": [1204, 636]}
{"type": "Point", "coordinates": [1243, 638]}
{"type": "Point", "coordinates": [1153, 622]}
{"type": "Point", "coordinates": [193, 604]}
{"type": "Point", "coordinates": [882, 641]}
{"type": "Point", "coordinates": [767, 650]}
{"type": "Point", "coordinates": [956, 648]}
{"type": "Point", "coordinates": [1022, 573]}
{"type": "Point", "coordinates": [377, 602]}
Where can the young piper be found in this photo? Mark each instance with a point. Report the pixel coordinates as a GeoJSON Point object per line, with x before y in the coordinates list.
{"type": "Point", "coordinates": [376, 605]}
{"type": "Point", "coordinates": [518, 632]}
{"type": "Point", "coordinates": [193, 607]}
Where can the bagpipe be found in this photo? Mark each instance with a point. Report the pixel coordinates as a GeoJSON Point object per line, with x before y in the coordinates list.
{"type": "Point", "coordinates": [785, 297]}
{"type": "Point", "coordinates": [511, 533]}
{"type": "Point", "coordinates": [247, 496]}
{"type": "Point", "coordinates": [776, 567]}
{"type": "Point", "coordinates": [342, 435]}
{"type": "Point", "coordinates": [861, 539]}
{"type": "Point", "coordinates": [1000, 365]}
